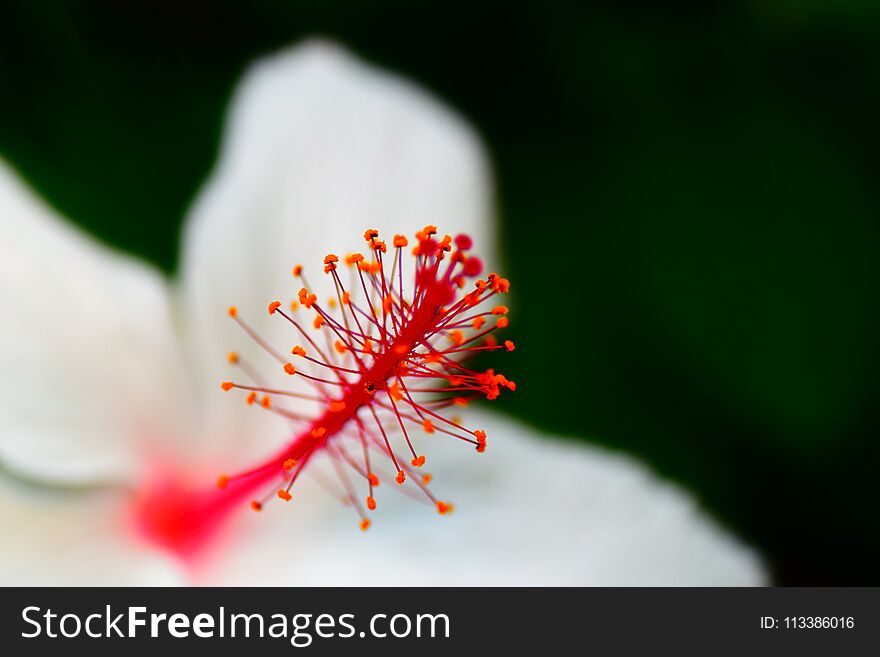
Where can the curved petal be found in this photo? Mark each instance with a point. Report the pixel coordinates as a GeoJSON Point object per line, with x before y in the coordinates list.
{"type": "Point", "coordinates": [89, 376]}
{"type": "Point", "coordinates": [319, 146]}
{"type": "Point", "coordinates": [75, 539]}
{"type": "Point", "coordinates": [530, 511]}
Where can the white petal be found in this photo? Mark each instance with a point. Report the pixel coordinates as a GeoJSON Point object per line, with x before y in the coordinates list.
{"type": "Point", "coordinates": [532, 510]}
{"type": "Point", "coordinates": [75, 539]}
{"type": "Point", "coordinates": [319, 147]}
{"type": "Point", "coordinates": [89, 377]}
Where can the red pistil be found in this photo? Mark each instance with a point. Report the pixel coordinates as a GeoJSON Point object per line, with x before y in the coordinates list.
{"type": "Point", "coordinates": [384, 341]}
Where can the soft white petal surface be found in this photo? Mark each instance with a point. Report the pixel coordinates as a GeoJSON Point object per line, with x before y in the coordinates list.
{"type": "Point", "coordinates": [70, 538]}
{"type": "Point", "coordinates": [532, 510]}
{"type": "Point", "coordinates": [90, 375]}
{"type": "Point", "coordinates": [319, 146]}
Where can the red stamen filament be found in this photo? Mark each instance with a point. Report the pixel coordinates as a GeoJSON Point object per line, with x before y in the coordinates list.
{"type": "Point", "coordinates": [374, 363]}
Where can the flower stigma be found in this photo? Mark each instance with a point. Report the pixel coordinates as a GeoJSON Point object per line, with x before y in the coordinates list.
{"type": "Point", "coordinates": [384, 358]}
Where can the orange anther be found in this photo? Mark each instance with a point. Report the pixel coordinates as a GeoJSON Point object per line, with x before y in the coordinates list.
{"type": "Point", "coordinates": [330, 258]}
{"type": "Point", "coordinates": [307, 299]}
{"type": "Point", "coordinates": [401, 477]}
{"type": "Point", "coordinates": [428, 426]}
{"type": "Point", "coordinates": [365, 524]}
{"type": "Point", "coordinates": [478, 322]}
{"type": "Point", "coordinates": [251, 398]}
{"type": "Point", "coordinates": [265, 402]}
{"type": "Point", "coordinates": [232, 357]}
{"type": "Point", "coordinates": [500, 310]}
{"type": "Point", "coordinates": [275, 305]}
{"type": "Point", "coordinates": [502, 322]}
{"type": "Point", "coordinates": [370, 234]}
{"type": "Point", "coordinates": [443, 508]}
{"type": "Point", "coordinates": [480, 435]}
{"type": "Point", "coordinates": [353, 259]}
{"type": "Point", "coordinates": [318, 432]}
{"type": "Point", "coordinates": [256, 506]}
{"type": "Point", "coordinates": [368, 346]}
{"type": "Point", "coordinates": [289, 464]}
{"type": "Point", "coordinates": [401, 349]}
{"type": "Point", "coordinates": [368, 267]}
{"type": "Point", "coordinates": [426, 478]}
{"type": "Point", "coordinates": [298, 351]}
{"type": "Point", "coordinates": [460, 401]}
{"type": "Point", "coordinates": [491, 341]}
{"type": "Point", "coordinates": [233, 311]}
{"type": "Point", "coordinates": [222, 480]}
{"type": "Point", "coordinates": [373, 479]}
{"type": "Point", "coordinates": [394, 391]}
{"type": "Point", "coordinates": [400, 240]}
{"type": "Point", "coordinates": [346, 298]}
{"type": "Point", "coordinates": [319, 321]}
{"type": "Point", "coordinates": [340, 347]}
{"type": "Point", "coordinates": [289, 368]}
{"type": "Point", "coordinates": [418, 462]}
{"type": "Point", "coordinates": [284, 495]}
{"type": "Point", "coordinates": [297, 270]}
{"type": "Point", "coordinates": [337, 406]}
{"type": "Point", "coordinates": [331, 302]}
{"type": "Point", "coordinates": [456, 336]}
{"type": "Point", "coordinates": [294, 306]}
{"type": "Point", "coordinates": [508, 344]}
{"type": "Point", "coordinates": [387, 303]}
{"type": "Point", "coordinates": [227, 385]}
{"type": "Point", "coordinates": [429, 230]}
{"type": "Point", "coordinates": [371, 503]}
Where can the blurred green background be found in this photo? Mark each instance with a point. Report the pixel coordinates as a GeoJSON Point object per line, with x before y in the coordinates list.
{"type": "Point", "coordinates": [689, 196]}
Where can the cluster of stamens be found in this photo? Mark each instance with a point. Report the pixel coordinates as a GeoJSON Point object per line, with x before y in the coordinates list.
{"type": "Point", "coordinates": [383, 358]}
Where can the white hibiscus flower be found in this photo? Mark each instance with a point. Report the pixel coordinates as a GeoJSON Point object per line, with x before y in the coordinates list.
{"type": "Point", "coordinates": [109, 374]}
